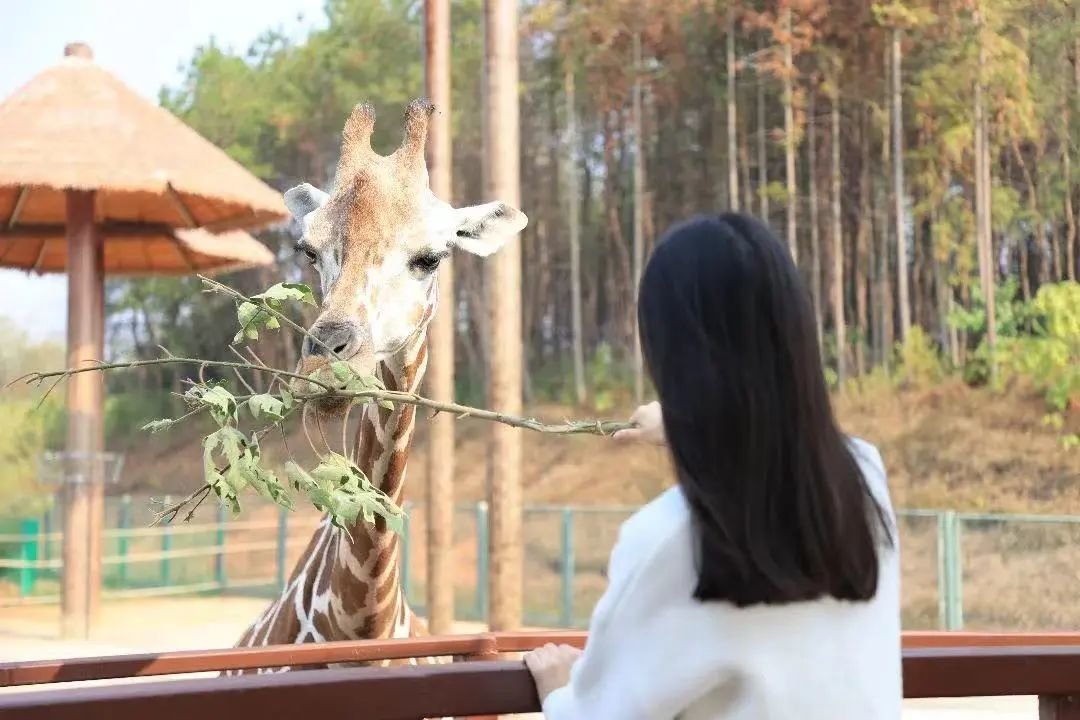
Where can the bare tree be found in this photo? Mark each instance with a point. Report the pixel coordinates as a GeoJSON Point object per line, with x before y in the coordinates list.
{"type": "Point", "coordinates": [982, 198]}
{"type": "Point", "coordinates": [837, 246]}
{"type": "Point", "coordinates": [898, 187]}
{"type": "Point", "coordinates": [573, 216]}
{"type": "Point", "coordinates": [639, 211]}
{"type": "Point", "coordinates": [815, 220]}
{"type": "Point", "coordinates": [762, 148]}
{"type": "Point", "coordinates": [789, 137]}
{"type": "Point", "coordinates": [732, 115]}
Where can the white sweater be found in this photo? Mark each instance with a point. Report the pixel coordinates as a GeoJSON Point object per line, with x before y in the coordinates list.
{"type": "Point", "coordinates": [655, 652]}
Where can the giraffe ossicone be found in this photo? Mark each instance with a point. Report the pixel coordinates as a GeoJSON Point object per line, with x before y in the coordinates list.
{"type": "Point", "coordinates": [376, 240]}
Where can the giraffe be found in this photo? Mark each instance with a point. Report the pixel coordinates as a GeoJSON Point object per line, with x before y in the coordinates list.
{"type": "Point", "coordinates": [376, 241]}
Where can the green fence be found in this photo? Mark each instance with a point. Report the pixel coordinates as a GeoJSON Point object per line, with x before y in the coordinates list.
{"type": "Point", "coordinates": [958, 569]}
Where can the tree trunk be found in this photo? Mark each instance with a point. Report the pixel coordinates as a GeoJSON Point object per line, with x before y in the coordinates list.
{"type": "Point", "coordinates": [440, 373]}
{"type": "Point", "coordinates": [1072, 242]}
{"type": "Point", "coordinates": [862, 245]}
{"type": "Point", "coordinates": [1071, 238]}
{"type": "Point", "coordinates": [762, 150]}
{"type": "Point", "coordinates": [501, 180]}
{"type": "Point", "coordinates": [789, 138]}
{"type": "Point", "coordinates": [639, 214]}
{"type": "Point", "coordinates": [837, 248]}
{"type": "Point", "coordinates": [982, 202]}
{"type": "Point", "coordinates": [573, 207]}
{"type": "Point", "coordinates": [815, 221]}
{"type": "Point", "coordinates": [732, 151]}
{"type": "Point", "coordinates": [1037, 219]}
{"type": "Point", "coordinates": [744, 160]}
{"type": "Point", "coordinates": [898, 188]}
{"type": "Point", "coordinates": [885, 286]}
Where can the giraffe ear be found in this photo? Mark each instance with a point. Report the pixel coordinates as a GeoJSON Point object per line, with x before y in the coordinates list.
{"type": "Point", "coordinates": [483, 229]}
{"type": "Point", "coordinates": [304, 199]}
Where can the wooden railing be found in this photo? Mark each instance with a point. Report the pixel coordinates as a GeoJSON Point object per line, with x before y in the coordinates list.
{"type": "Point", "coordinates": [935, 665]}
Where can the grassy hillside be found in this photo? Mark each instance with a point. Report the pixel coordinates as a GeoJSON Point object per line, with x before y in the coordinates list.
{"type": "Point", "coordinates": [949, 446]}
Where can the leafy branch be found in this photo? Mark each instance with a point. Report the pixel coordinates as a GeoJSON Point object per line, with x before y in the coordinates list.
{"type": "Point", "coordinates": [232, 456]}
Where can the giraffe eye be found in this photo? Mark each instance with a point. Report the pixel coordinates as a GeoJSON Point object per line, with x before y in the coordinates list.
{"type": "Point", "coordinates": [310, 255]}
{"type": "Point", "coordinates": [426, 262]}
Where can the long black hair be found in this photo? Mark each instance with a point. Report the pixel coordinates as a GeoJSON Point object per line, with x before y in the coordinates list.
{"type": "Point", "coordinates": [781, 509]}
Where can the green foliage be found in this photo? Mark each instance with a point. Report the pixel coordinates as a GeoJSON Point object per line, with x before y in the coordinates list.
{"type": "Point", "coordinates": [253, 316]}
{"type": "Point", "coordinates": [1012, 318]}
{"type": "Point", "coordinates": [607, 378]}
{"type": "Point", "coordinates": [1050, 357]}
{"type": "Point", "coordinates": [920, 363]}
{"type": "Point", "coordinates": [338, 487]}
{"type": "Point", "coordinates": [232, 456]}
{"type": "Point", "coordinates": [30, 422]}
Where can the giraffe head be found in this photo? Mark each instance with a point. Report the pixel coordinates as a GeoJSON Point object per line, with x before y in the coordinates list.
{"type": "Point", "coordinates": [377, 241]}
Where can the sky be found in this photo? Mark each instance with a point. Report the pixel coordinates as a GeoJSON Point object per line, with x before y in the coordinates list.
{"type": "Point", "coordinates": [142, 42]}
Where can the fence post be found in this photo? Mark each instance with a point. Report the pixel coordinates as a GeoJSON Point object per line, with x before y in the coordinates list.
{"type": "Point", "coordinates": [28, 530]}
{"type": "Point", "coordinates": [567, 567]}
{"type": "Point", "coordinates": [950, 572]}
{"type": "Point", "coordinates": [481, 560]}
{"type": "Point", "coordinates": [219, 559]}
{"type": "Point", "coordinates": [956, 616]}
{"type": "Point", "coordinates": [123, 524]}
{"type": "Point", "coordinates": [943, 545]}
{"type": "Point", "coordinates": [47, 522]}
{"type": "Point", "coordinates": [43, 536]}
{"type": "Point", "coordinates": [166, 546]}
{"type": "Point", "coordinates": [282, 545]}
{"type": "Point", "coordinates": [406, 551]}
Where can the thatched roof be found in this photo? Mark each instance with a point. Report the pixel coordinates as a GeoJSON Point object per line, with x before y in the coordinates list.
{"type": "Point", "coordinates": [75, 126]}
{"type": "Point", "coordinates": [139, 250]}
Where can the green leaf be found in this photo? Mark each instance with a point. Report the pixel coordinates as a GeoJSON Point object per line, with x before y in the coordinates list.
{"type": "Point", "coordinates": [222, 403]}
{"type": "Point", "coordinates": [250, 317]}
{"type": "Point", "coordinates": [340, 488]}
{"type": "Point", "coordinates": [275, 295]}
{"type": "Point", "coordinates": [267, 406]}
{"type": "Point", "coordinates": [353, 382]}
{"type": "Point", "coordinates": [286, 398]}
{"type": "Point", "coordinates": [156, 426]}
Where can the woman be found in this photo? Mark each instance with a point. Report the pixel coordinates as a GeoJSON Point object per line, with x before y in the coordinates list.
{"type": "Point", "coordinates": [765, 584]}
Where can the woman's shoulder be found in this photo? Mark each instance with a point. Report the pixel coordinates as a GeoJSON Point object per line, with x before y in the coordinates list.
{"type": "Point", "coordinates": [668, 510]}
{"type": "Point", "coordinates": [866, 454]}
{"type": "Point", "coordinates": [650, 532]}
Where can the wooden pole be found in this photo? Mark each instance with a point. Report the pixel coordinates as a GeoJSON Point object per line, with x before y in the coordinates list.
{"type": "Point", "coordinates": [440, 376]}
{"type": "Point", "coordinates": [85, 437]}
{"type": "Point", "coordinates": [503, 287]}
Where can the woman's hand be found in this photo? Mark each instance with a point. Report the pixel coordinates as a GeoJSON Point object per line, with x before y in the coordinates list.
{"type": "Point", "coordinates": [550, 667]}
{"type": "Point", "coordinates": [650, 426]}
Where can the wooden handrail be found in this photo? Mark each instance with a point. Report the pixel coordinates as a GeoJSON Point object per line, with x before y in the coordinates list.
{"type": "Point", "coordinates": [479, 645]}
{"type": "Point", "coordinates": [479, 688]}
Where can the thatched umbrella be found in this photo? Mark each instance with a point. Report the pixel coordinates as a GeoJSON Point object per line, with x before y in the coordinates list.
{"type": "Point", "coordinates": [95, 179]}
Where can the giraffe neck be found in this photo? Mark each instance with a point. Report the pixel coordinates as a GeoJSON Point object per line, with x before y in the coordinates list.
{"type": "Point", "coordinates": [365, 595]}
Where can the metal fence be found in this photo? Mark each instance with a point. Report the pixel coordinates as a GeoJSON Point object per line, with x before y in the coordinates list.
{"type": "Point", "coordinates": [992, 572]}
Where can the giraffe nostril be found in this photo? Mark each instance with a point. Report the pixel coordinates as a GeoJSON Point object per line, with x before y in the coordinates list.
{"type": "Point", "coordinates": [328, 338]}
